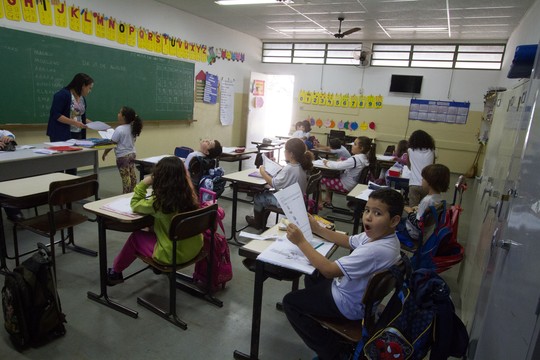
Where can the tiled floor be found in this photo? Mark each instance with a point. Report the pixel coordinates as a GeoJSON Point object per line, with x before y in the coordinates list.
{"type": "Point", "coordinates": [97, 332]}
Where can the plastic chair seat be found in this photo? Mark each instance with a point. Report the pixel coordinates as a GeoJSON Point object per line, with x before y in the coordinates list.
{"type": "Point", "coordinates": [167, 268]}
{"type": "Point", "coordinates": [63, 219]}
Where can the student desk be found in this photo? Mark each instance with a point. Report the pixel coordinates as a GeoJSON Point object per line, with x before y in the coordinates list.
{"type": "Point", "coordinates": [230, 155]}
{"type": "Point", "coordinates": [241, 178]}
{"type": "Point", "coordinates": [24, 163]}
{"type": "Point", "coordinates": [147, 165]}
{"type": "Point", "coordinates": [319, 153]}
{"type": "Point", "coordinates": [109, 220]}
{"type": "Point", "coordinates": [262, 147]}
{"type": "Point", "coordinates": [385, 161]}
{"type": "Point", "coordinates": [264, 271]}
{"type": "Point", "coordinates": [24, 193]}
{"type": "Point", "coordinates": [359, 203]}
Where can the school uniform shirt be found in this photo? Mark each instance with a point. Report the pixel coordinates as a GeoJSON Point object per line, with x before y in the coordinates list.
{"type": "Point", "coordinates": [6, 133]}
{"type": "Point", "coordinates": [414, 217]}
{"type": "Point", "coordinates": [352, 166]}
{"type": "Point", "coordinates": [192, 155]}
{"type": "Point", "coordinates": [290, 174]}
{"type": "Point", "coordinates": [185, 250]}
{"type": "Point", "coordinates": [342, 152]}
{"type": "Point", "coordinates": [298, 134]}
{"type": "Point", "coordinates": [419, 159]}
{"type": "Point", "coordinates": [367, 258]}
{"type": "Point", "coordinates": [125, 142]}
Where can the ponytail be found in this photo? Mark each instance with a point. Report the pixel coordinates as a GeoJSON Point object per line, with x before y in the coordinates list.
{"type": "Point", "coordinates": [370, 149]}
{"type": "Point", "coordinates": [132, 118]}
{"type": "Point", "coordinates": [300, 153]}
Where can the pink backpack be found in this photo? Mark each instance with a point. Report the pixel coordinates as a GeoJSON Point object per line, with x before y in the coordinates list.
{"type": "Point", "coordinates": [221, 259]}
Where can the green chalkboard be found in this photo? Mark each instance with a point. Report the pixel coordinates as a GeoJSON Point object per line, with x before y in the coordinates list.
{"type": "Point", "coordinates": [33, 67]}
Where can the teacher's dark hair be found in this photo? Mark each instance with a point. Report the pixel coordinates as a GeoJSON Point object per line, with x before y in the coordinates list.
{"type": "Point", "coordinates": [79, 80]}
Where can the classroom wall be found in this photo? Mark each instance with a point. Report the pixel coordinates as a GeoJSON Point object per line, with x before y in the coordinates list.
{"type": "Point", "coordinates": [456, 144]}
{"type": "Point", "coordinates": [161, 137]}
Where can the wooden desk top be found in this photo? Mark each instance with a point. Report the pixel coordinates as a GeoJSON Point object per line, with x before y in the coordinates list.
{"type": "Point", "coordinates": [243, 176]}
{"type": "Point", "coordinates": [32, 185]}
{"type": "Point", "coordinates": [357, 190]}
{"type": "Point", "coordinates": [96, 207]}
{"type": "Point", "coordinates": [154, 159]}
{"type": "Point", "coordinates": [230, 151]}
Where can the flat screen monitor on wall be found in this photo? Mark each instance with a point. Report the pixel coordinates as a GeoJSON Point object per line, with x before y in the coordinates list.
{"type": "Point", "coordinates": [411, 84]}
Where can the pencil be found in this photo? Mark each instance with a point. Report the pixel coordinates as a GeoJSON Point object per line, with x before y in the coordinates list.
{"type": "Point", "coordinates": [318, 246]}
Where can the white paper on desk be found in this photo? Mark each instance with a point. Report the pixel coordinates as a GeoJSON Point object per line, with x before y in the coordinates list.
{"type": "Point", "coordinates": [45, 151]}
{"type": "Point", "coordinates": [364, 195]}
{"type": "Point", "coordinates": [61, 143]}
{"type": "Point", "coordinates": [97, 125]}
{"type": "Point", "coordinates": [285, 254]}
{"type": "Point", "coordinates": [155, 159]}
{"type": "Point", "coordinates": [120, 206]}
{"type": "Point", "coordinates": [271, 167]}
{"type": "Point", "coordinates": [107, 134]}
{"type": "Point", "coordinates": [292, 203]}
{"type": "Point", "coordinates": [228, 150]}
{"type": "Point", "coordinates": [24, 147]}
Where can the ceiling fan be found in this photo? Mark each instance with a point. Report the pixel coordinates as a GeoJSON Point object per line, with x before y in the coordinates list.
{"type": "Point", "coordinates": [339, 34]}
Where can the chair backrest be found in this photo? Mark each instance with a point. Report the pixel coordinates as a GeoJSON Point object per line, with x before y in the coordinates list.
{"type": "Point", "coordinates": [429, 222]}
{"type": "Point", "coordinates": [182, 151]}
{"type": "Point", "coordinates": [191, 223]}
{"type": "Point", "coordinates": [313, 182]}
{"type": "Point", "coordinates": [363, 177]}
{"type": "Point", "coordinates": [379, 286]}
{"type": "Point", "coordinates": [68, 191]}
{"type": "Point", "coordinates": [389, 150]}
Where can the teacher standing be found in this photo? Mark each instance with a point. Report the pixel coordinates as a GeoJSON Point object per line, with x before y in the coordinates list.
{"type": "Point", "coordinates": [67, 119]}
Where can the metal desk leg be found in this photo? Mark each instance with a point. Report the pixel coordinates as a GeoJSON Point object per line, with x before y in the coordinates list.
{"type": "Point", "coordinates": [233, 218]}
{"type": "Point", "coordinates": [3, 251]}
{"type": "Point", "coordinates": [260, 277]}
{"type": "Point", "coordinates": [103, 297]}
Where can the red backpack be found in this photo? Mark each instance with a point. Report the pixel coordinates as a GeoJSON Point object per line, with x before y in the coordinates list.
{"type": "Point", "coordinates": [221, 259]}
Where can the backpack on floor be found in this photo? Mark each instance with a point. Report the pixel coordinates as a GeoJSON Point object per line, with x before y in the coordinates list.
{"type": "Point", "coordinates": [221, 258]}
{"type": "Point", "coordinates": [31, 307]}
{"type": "Point", "coordinates": [420, 317]}
{"type": "Point", "coordinates": [205, 174]}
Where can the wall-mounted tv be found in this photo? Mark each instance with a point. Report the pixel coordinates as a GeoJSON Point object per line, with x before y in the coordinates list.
{"type": "Point", "coordinates": [411, 84]}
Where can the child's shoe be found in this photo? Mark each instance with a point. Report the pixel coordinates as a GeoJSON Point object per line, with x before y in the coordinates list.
{"type": "Point", "coordinates": [113, 277]}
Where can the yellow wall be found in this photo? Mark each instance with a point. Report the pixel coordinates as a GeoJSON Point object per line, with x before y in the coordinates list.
{"type": "Point", "coordinates": [456, 144]}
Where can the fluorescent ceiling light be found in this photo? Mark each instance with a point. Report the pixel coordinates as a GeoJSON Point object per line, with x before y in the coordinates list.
{"type": "Point", "coordinates": [249, 2]}
{"type": "Point", "coordinates": [303, 30]}
{"type": "Point", "coordinates": [411, 29]}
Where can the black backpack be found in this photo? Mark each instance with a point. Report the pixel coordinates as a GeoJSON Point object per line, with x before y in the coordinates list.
{"type": "Point", "coordinates": [205, 173]}
{"type": "Point", "coordinates": [30, 303]}
{"type": "Point", "coordinates": [419, 317]}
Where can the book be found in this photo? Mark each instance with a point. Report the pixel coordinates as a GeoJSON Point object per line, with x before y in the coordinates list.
{"type": "Point", "coordinates": [284, 253]}
{"type": "Point", "coordinates": [271, 167]}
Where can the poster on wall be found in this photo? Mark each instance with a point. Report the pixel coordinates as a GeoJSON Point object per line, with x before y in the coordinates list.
{"type": "Point", "coordinates": [452, 112]}
{"type": "Point", "coordinates": [258, 88]}
{"type": "Point", "coordinates": [226, 103]}
{"type": "Point", "coordinates": [211, 89]}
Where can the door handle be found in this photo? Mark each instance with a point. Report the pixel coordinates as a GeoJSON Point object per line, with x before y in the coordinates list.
{"type": "Point", "coordinates": [486, 191]}
{"type": "Point", "coordinates": [494, 207]}
{"type": "Point", "coordinates": [507, 244]}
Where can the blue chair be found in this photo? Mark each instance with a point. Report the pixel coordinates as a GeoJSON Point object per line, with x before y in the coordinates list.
{"type": "Point", "coordinates": [182, 151]}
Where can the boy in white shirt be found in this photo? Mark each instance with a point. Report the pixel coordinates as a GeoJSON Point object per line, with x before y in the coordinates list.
{"type": "Point", "coordinates": [337, 288]}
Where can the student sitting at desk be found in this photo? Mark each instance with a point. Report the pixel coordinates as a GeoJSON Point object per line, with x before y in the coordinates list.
{"type": "Point", "coordinates": [363, 156]}
{"type": "Point", "coordinates": [300, 131]}
{"type": "Point", "coordinates": [172, 193]}
{"type": "Point", "coordinates": [207, 148]}
{"type": "Point", "coordinates": [400, 154]}
{"type": "Point", "coordinates": [124, 136]}
{"type": "Point", "coordinates": [299, 164]}
{"type": "Point", "coordinates": [435, 180]}
{"type": "Point", "coordinates": [337, 287]}
{"type": "Point", "coordinates": [336, 148]}
{"type": "Point", "coordinates": [7, 137]}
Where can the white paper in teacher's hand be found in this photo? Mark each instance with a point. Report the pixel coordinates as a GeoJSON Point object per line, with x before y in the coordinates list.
{"type": "Point", "coordinates": [292, 203]}
{"type": "Point", "coordinates": [97, 125]}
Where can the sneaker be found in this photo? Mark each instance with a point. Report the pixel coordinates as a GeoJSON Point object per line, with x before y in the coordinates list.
{"type": "Point", "coordinates": [113, 277]}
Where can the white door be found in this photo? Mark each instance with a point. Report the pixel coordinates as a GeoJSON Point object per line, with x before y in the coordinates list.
{"type": "Point", "coordinates": [270, 106]}
{"type": "Point", "coordinates": [506, 320]}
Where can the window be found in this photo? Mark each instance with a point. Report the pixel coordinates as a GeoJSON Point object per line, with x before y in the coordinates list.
{"type": "Point", "coordinates": [311, 53]}
{"type": "Point", "coordinates": [446, 56]}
